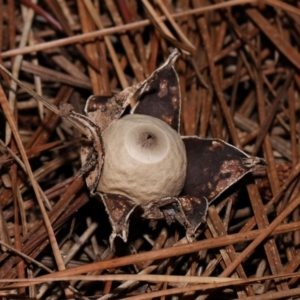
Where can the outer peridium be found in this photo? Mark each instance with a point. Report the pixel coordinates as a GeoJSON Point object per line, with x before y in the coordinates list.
{"type": "Point", "coordinates": [213, 165]}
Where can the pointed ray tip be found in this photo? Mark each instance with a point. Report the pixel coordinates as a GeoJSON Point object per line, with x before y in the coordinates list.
{"type": "Point", "coordinates": [173, 56]}
{"type": "Point", "coordinates": [252, 162]}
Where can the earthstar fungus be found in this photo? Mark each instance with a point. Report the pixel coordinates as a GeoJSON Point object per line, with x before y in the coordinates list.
{"type": "Point", "coordinates": [202, 168]}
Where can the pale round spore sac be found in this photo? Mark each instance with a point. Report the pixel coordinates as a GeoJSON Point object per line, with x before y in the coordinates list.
{"type": "Point", "coordinates": [145, 159]}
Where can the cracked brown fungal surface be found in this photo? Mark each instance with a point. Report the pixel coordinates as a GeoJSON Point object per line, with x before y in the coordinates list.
{"type": "Point", "coordinates": [214, 166]}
